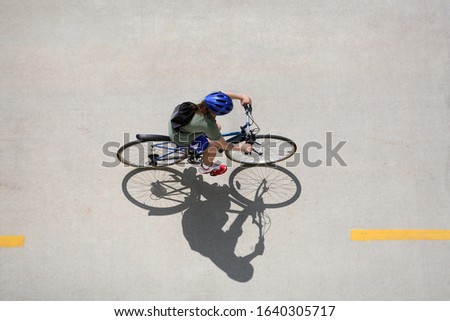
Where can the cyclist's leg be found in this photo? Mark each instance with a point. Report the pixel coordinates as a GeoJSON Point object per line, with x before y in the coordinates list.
{"type": "Point", "coordinates": [209, 149]}
{"type": "Point", "coordinates": [210, 153]}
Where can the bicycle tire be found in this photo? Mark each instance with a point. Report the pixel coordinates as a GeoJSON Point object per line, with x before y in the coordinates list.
{"type": "Point", "coordinates": [158, 190]}
{"type": "Point", "coordinates": [149, 152]}
{"type": "Point", "coordinates": [265, 153]}
{"type": "Point", "coordinates": [282, 186]}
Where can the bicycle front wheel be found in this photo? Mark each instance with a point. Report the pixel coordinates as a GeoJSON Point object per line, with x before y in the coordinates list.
{"type": "Point", "coordinates": [267, 149]}
{"type": "Point", "coordinates": [158, 152]}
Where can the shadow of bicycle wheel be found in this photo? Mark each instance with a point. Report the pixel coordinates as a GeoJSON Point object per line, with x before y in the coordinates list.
{"type": "Point", "coordinates": [275, 185]}
{"type": "Point", "coordinates": [165, 191]}
{"type": "Point", "coordinates": [157, 190]}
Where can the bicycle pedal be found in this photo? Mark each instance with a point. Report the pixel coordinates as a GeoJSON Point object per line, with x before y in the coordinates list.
{"type": "Point", "coordinates": [193, 161]}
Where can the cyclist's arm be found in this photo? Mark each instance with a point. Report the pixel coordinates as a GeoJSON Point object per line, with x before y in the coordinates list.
{"type": "Point", "coordinates": [242, 97]}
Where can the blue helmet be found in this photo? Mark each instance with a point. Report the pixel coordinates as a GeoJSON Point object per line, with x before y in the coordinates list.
{"type": "Point", "coordinates": [219, 103]}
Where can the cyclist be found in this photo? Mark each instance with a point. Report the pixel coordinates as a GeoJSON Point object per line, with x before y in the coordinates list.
{"type": "Point", "coordinates": [202, 132]}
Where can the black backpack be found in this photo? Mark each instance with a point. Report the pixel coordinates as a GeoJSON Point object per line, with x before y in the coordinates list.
{"type": "Point", "coordinates": [182, 115]}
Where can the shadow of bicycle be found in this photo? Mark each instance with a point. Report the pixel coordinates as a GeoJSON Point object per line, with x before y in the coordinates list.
{"type": "Point", "coordinates": [211, 224]}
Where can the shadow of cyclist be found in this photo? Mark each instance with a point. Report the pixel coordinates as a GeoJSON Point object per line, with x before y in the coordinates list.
{"type": "Point", "coordinates": [203, 224]}
{"type": "Point", "coordinates": [207, 207]}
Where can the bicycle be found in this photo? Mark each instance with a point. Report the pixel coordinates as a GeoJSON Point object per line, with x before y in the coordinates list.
{"type": "Point", "coordinates": [153, 150]}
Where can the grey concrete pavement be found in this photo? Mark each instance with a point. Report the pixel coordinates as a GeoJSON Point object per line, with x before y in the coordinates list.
{"type": "Point", "coordinates": [77, 75]}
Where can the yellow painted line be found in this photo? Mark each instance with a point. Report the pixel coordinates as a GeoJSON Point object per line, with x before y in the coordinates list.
{"type": "Point", "coordinates": [400, 235]}
{"type": "Point", "coordinates": [12, 241]}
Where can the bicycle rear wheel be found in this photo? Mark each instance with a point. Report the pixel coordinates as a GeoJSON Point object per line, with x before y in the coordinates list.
{"type": "Point", "coordinates": [268, 149]}
{"type": "Point", "coordinates": [152, 152]}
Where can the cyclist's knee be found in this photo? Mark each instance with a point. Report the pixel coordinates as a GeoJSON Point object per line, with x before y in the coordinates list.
{"type": "Point", "coordinates": [213, 144]}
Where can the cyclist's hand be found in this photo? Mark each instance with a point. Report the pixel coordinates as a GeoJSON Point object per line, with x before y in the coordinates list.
{"type": "Point", "coordinates": [246, 100]}
{"type": "Point", "coordinates": [246, 148]}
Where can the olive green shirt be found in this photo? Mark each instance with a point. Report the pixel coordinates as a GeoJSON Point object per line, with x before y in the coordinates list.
{"type": "Point", "coordinates": [200, 124]}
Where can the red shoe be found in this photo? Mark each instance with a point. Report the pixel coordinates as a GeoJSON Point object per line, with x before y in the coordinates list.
{"type": "Point", "coordinates": [213, 170]}
{"type": "Point", "coordinates": [219, 171]}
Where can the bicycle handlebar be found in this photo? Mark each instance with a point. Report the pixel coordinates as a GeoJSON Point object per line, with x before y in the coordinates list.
{"type": "Point", "coordinates": [248, 108]}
